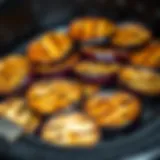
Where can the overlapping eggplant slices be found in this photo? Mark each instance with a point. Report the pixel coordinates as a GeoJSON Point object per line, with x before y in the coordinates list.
{"type": "Point", "coordinates": [52, 54]}
{"type": "Point", "coordinates": [143, 76]}
{"type": "Point", "coordinates": [65, 76]}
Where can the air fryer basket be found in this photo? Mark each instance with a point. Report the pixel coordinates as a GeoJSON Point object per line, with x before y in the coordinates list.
{"type": "Point", "coordinates": [40, 15]}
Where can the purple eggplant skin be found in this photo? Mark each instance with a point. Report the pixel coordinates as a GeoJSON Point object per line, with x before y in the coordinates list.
{"type": "Point", "coordinates": [62, 73]}
{"type": "Point", "coordinates": [99, 42]}
{"type": "Point", "coordinates": [104, 41]}
{"type": "Point", "coordinates": [119, 56]}
{"type": "Point", "coordinates": [134, 48]}
{"type": "Point", "coordinates": [59, 70]}
{"type": "Point", "coordinates": [107, 80]}
{"type": "Point", "coordinates": [25, 85]}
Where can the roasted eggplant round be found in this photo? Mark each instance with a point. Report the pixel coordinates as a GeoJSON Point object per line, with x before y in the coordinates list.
{"type": "Point", "coordinates": [91, 30]}
{"type": "Point", "coordinates": [50, 48]}
{"type": "Point", "coordinates": [48, 96]}
{"type": "Point", "coordinates": [143, 81]}
{"type": "Point", "coordinates": [97, 72]}
{"type": "Point", "coordinates": [14, 74]}
{"type": "Point", "coordinates": [115, 111]}
{"type": "Point", "coordinates": [148, 57]}
{"type": "Point", "coordinates": [16, 110]}
{"type": "Point", "coordinates": [71, 130]}
{"type": "Point", "coordinates": [131, 36]}
{"type": "Point", "coordinates": [51, 53]}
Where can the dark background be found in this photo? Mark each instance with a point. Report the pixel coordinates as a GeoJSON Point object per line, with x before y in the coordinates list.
{"type": "Point", "coordinates": [21, 19]}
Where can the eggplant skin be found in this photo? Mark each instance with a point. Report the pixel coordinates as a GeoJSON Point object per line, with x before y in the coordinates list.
{"type": "Point", "coordinates": [24, 86]}
{"type": "Point", "coordinates": [132, 48]}
{"type": "Point", "coordinates": [107, 80]}
{"type": "Point", "coordinates": [20, 89]}
{"type": "Point", "coordinates": [61, 69]}
{"type": "Point", "coordinates": [108, 55]}
{"type": "Point", "coordinates": [142, 81]}
{"type": "Point", "coordinates": [99, 42]}
{"type": "Point", "coordinates": [113, 131]}
{"type": "Point", "coordinates": [96, 72]}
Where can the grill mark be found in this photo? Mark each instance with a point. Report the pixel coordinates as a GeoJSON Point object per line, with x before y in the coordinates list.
{"type": "Point", "coordinates": [100, 27]}
{"type": "Point", "coordinates": [87, 29]}
{"type": "Point", "coordinates": [80, 29]}
{"type": "Point", "coordinates": [104, 114]}
{"type": "Point", "coordinates": [96, 26]}
{"type": "Point", "coordinates": [83, 29]}
{"type": "Point", "coordinates": [56, 41]}
{"type": "Point", "coordinates": [50, 48]}
{"type": "Point", "coordinates": [65, 44]}
{"type": "Point", "coordinates": [125, 101]}
{"type": "Point", "coordinates": [45, 51]}
{"type": "Point", "coordinates": [91, 27]}
{"type": "Point", "coordinates": [60, 42]}
{"type": "Point", "coordinates": [110, 106]}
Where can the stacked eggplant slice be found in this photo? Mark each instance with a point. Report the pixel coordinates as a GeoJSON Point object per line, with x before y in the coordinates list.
{"type": "Point", "coordinates": [72, 88]}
